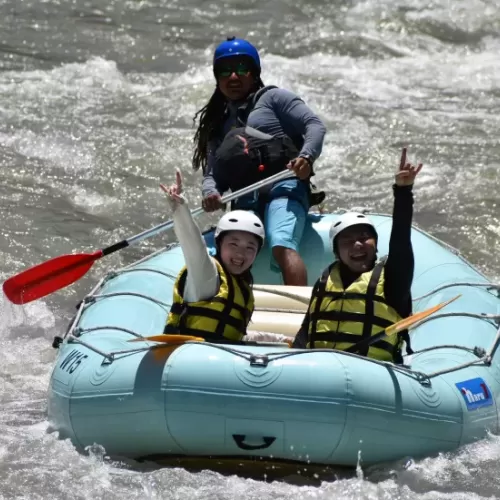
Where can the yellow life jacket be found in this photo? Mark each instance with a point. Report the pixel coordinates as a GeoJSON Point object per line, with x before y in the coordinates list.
{"type": "Point", "coordinates": [224, 316]}
{"type": "Point", "coordinates": [340, 318]}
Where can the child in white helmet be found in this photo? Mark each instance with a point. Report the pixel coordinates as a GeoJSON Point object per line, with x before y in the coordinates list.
{"type": "Point", "coordinates": [357, 297]}
{"type": "Point", "coordinates": [213, 297]}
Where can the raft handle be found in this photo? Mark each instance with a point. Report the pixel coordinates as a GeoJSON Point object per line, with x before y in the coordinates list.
{"type": "Point", "coordinates": [259, 360]}
{"type": "Point", "coordinates": [239, 439]}
{"type": "Point", "coordinates": [423, 379]}
{"type": "Point", "coordinates": [57, 342]}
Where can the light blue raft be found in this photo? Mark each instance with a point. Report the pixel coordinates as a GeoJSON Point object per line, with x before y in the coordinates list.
{"type": "Point", "coordinates": [243, 402]}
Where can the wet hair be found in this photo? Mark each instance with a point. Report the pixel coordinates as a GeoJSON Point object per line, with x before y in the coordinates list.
{"type": "Point", "coordinates": [211, 119]}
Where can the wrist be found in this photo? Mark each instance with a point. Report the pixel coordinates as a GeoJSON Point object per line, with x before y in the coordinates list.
{"type": "Point", "coordinates": [308, 158]}
{"type": "Point", "coordinates": [406, 187]}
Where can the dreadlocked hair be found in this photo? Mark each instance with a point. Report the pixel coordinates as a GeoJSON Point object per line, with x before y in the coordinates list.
{"type": "Point", "coordinates": [211, 119]}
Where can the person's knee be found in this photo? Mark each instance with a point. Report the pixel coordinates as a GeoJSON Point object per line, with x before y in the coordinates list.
{"type": "Point", "coordinates": [279, 251]}
{"type": "Point", "coordinates": [292, 266]}
{"type": "Point", "coordinates": [284, 255]}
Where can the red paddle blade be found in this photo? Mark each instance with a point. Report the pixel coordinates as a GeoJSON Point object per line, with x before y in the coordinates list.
{"type": "Point", "coordinates": [45, 278]}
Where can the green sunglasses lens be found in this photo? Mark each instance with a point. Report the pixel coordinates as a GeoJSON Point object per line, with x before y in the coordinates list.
{"type": "Point", "coordinates": [241, 70]}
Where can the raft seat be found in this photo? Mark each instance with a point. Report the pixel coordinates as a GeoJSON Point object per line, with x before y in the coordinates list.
{"type": "Point", "coordinates": [279, 308]}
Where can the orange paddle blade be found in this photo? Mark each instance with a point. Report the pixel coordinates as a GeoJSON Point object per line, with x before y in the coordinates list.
{"type": "Point", "coordinates": [169, 339]}
{"type": "Point", "coordinates": [415, 318]}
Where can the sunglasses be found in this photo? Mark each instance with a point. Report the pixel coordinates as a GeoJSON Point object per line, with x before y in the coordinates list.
{"type": "Point", "coordinates": [241, 69]}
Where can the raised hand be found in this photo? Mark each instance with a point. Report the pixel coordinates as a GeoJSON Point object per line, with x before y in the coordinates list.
{"type": "Point", "coordinates": [407, 172]}
{"type": "Point", "coordinates": [174, 191]}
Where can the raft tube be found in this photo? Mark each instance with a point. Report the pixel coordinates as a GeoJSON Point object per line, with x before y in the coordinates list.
{"type": "Point", "coordinates": [148, 400]}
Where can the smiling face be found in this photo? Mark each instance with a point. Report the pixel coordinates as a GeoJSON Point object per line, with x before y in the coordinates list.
{"type": "Point", "coordinates": [238, 250]}
{"type": "Point", "coordinates": [356, 247]}
{"type": "Point", "coordinates": [235, 77]}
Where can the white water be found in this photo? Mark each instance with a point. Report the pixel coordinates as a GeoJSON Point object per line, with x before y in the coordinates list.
{"type": "Point", "coordinates": [96, 104]}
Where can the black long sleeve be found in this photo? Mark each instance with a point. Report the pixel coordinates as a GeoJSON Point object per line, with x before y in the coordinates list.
{"type": "Point", "coordinates": [302, 338]}
{"type": "Point", "coordinates": [400, 263]}
{"type": "Point", "coordinates": [399, 266]}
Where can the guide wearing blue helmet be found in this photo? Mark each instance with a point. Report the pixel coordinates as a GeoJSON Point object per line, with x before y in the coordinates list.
{"type": "Point", "coordinates": [289, 135]}
{"type": "Point", "coordinates": [233, 47]}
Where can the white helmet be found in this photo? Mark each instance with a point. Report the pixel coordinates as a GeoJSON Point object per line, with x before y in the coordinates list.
{"type": "Point", "coordinates": [347, 220]}
{"type": "Point", "coordinates": [241, 220]}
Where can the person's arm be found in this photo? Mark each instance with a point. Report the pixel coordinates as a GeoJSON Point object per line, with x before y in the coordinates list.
{"type": "Point", "coordinates": [211, 189]}
{"type": "Point", "coordinates": [400, 263]}
{"type": "Point", "coordinates": [302, 338]}
{"type": "Point", "coordinates": [202, 281]}
{"type": "Point", "coordinates": [210, 185]}
{"type": "Point", "coordinates": [292, 110]}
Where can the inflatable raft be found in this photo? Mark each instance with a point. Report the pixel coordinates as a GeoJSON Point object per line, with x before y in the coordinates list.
{"type": "Point", "coordinates": [243, 403]}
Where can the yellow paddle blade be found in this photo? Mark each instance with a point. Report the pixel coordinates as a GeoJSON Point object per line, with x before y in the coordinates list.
{"type": "Point", "coordinates": [415, 318]}
{"type": "Point", "coordinates": [170, 339]}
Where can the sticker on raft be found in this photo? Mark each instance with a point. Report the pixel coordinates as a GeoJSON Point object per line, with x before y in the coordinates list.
{"type": "Point", "coordinates": [475, 392]}
{"type": "Point", "coordinates": [72, 361]}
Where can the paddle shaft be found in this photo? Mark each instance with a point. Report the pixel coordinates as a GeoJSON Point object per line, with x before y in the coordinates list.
{"type": "Point", "coordinates": [404, 324]}
{"type": "Point", "coordinates": [363, 344]}
{"type": "Point", "coordinates": [164, 226]}
{"type": "Point", "coordinates": [59, 272]}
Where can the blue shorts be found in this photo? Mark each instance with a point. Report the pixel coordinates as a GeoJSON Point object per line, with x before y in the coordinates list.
{"type": "Point", "coordinates": [284, 221]}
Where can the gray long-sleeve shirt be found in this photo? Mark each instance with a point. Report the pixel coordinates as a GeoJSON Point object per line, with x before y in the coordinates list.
{"type": "Point", "coordinates": [278, 112]}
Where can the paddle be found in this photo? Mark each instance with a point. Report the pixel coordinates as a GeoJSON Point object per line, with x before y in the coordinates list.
{"type": "Point", "coordinates": [59, 272]}
{"type": "Point", "coordinates": [404, 324]}
{"type": "Point", "coordinates": [397, 327]}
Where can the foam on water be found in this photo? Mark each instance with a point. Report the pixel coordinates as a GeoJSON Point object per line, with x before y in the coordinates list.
{"type": "Point", "coordinates": [85, 142]}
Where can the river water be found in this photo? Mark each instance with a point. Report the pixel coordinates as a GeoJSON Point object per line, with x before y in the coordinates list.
{"type": "Point", "coordinates": [96, 106]}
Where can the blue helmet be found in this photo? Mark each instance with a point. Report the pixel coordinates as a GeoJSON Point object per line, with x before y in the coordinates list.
{"type": "Point", "coordinates": [237, 47]}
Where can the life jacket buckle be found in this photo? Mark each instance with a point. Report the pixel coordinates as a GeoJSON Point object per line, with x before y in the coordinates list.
{"type": "Point", "coordinates": [259, 360]}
